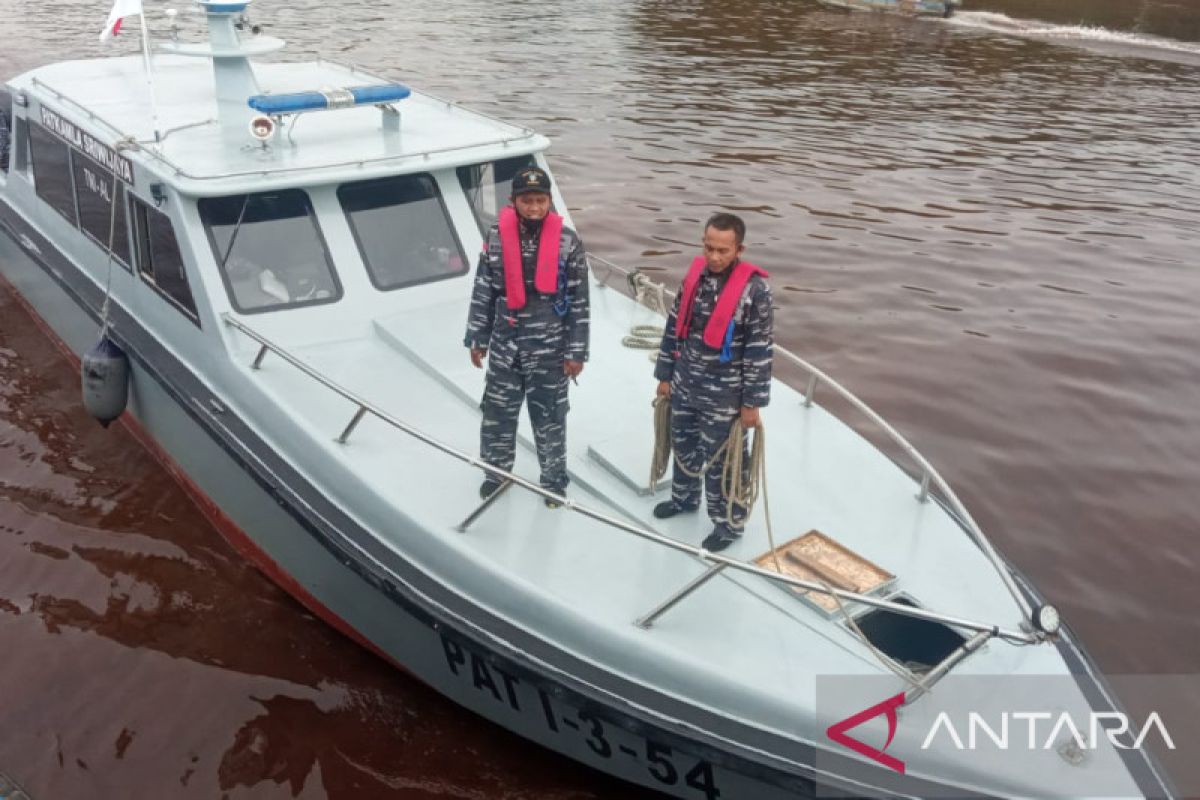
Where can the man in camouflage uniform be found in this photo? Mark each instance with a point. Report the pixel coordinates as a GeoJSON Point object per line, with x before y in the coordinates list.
{"type": "Point", "coordinates": [715, 365]}
{"type": "Point", "coordinates": [529, 319]}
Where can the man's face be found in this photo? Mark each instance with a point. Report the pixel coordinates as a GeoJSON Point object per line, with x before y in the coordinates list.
{"type": "Point", "coordinates": [532, 205]}
{"type": "Point", "coordinates": [721, 249]}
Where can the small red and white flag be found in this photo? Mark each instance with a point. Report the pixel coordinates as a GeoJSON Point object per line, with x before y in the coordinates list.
{"type": "Point", "coordinates": [120, 10]}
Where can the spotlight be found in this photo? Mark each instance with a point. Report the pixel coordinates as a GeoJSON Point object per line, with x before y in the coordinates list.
{"type": "Point", "coordinates": [262, 128]}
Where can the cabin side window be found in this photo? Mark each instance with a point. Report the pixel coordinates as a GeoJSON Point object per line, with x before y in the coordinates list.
{"type": "Point", "coordinates": [6, 137]}
{"type": "Point", "coordinates": [52, 171]}
{"type": "Point", "coordinates": [402, 230]}
{"type": "Point", "coordinates": [270, 250]}
{"type": "Point", "coordinates": [95, 189]}
{"type": "Point", "coordinates": [159, 260]}
{"type": "Point", "coordinates": [488, 185]}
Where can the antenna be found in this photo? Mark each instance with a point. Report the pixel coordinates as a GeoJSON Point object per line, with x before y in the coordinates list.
{"type": "Point", "coordinates": [230, 54]}
{"type": "Point", "coordinates": [150, 77]}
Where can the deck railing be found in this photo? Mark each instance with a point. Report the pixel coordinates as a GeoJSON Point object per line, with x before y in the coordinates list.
{"type": "Point", "coordinates": [717, 561]}
{"type": "Point", "coordinates": [152, 148]}
{"type": "Point", "coordinates": [929, 475]}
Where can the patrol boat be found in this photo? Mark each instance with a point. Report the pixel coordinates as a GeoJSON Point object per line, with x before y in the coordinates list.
{"type": "Point", "coordinates": [286, 268]}
{"type": "Point", "coordinates": [912, 8]}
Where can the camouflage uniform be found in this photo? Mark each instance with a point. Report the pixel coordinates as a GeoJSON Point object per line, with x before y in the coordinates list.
{"type": "Point", "coordinates": [526, 351]}
{"type": "Point", "coordinates": [707, 395]}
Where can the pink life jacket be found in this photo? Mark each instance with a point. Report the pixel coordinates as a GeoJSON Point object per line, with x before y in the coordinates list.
{"type": "Point", "coordinates": [545, 280]}
{"type": "Point", "coordinates": [727, 303]}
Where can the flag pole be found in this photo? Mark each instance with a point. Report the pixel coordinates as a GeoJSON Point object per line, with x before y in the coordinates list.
{"type": "Point", "coordinates": [149, 75]}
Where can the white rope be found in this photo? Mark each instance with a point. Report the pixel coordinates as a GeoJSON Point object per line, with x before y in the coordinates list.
{"type": "Point", "coordinates": [740, 479]}
{"type": "Point", "coordinates": [653, 296]}
{"type": "Point", "coordinates": [643, 337]}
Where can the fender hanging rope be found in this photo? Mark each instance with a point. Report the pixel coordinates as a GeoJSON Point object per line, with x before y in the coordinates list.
{"type": "Point", "coordinates": [124, 144]}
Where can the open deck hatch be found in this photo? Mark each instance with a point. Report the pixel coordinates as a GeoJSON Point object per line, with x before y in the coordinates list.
{"type": "Point", "coordinates": [918, 644]}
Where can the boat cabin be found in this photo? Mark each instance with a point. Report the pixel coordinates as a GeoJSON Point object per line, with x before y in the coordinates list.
{"type": "Point", "coordinates": [330, 220]}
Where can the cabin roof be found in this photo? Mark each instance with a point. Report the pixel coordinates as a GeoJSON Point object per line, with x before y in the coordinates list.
{"type": "Point", "coordinates": [110, 99]}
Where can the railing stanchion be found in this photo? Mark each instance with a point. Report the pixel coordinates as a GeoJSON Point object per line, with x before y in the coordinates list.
{"type": "Point", "coordinates": [923, 495]}
{"type": "Point", "coordinates": [358, 415]}
{"type": "Point", "coordinates": [810, 390]}
{"type": "Point", "coordinates": [939, 671]}
{"type": "Point", "coordinates": [504, 486]}
{"type": "Point", "coordinates": [258, 359]}
{"type": "Point", "coordinates": [695, 583]}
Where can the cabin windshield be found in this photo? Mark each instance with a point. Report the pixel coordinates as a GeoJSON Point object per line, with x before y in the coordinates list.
{"type": "Point", "coordinates": [270, 249]}
{"type": "Point", "coordinates": [488, 185]}
{"type": "Point", "coordinates": [402, 230]}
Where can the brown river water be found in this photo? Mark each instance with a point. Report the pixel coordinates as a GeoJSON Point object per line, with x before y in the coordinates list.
{"type": "Point", "coordinates": [987, 228]}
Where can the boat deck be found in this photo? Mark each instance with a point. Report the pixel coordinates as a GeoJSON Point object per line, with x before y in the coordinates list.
{"type": "Point", "coordinates": [581, 583]}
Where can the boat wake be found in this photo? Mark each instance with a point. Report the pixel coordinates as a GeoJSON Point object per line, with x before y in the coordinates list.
{"type": "Point", "coordinates": [1117, 42]}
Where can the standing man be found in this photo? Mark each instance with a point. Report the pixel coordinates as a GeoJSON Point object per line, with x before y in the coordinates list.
{"type": "Point", "coordinates": [529, 319]}
{"type": "Point", "coordinates": [715, 365]}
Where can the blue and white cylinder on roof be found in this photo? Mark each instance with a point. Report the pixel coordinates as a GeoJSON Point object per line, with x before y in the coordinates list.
{"type": "Point", "coordinates": [272, 106]}
{"type": "Point", "coordinates": [329, 99]}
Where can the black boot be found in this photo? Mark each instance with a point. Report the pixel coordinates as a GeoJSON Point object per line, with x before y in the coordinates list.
{"type": "Point", "coordinates": [721, 537]}
{"type": "Point", "coordinates": [488, 488]}
{"type": "Point", "coordinates": [668, 509]}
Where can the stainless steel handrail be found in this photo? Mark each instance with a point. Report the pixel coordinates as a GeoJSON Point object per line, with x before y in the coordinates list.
{"type": "Point", "coordinates": [928, 473]}
{"type": "Point", "coordinates": [362, 404]}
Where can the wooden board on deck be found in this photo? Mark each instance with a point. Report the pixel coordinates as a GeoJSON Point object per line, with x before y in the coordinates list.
{"type": "Point", "coordinates": [817, 557]}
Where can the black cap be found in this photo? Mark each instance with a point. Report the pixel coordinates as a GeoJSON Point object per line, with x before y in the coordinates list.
{"type": "Point", "coordinates": [531, 179]}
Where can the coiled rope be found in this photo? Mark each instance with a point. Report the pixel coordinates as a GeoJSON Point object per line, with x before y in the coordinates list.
{"type": "Point", "coordinates": [743, 474]}
{"type": "Point", "coordinates": [643, 337]}
{"type": "Point", "coordinates": [652, 296]}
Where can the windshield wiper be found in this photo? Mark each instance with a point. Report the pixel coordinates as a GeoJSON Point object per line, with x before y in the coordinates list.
{"type": "Point", "coordinates": [237, 227]}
